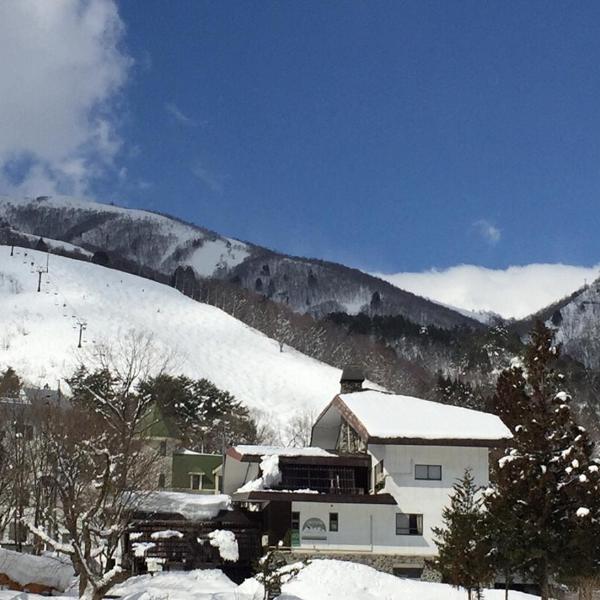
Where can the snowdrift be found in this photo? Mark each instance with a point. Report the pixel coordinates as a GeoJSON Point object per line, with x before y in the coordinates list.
{"type": "Point", "coordinates": [27, 570]}
{"type": "Point", "coordinates": [335, 579]}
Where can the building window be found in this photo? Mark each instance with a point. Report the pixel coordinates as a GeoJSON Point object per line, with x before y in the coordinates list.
{"type": "Point", "coordinates": [163, 448]}
{"type": "Point", "coordinates": [295, 530]}
{"type": "Point", "coordinates": [409, 524]}
{"type": "Point", "coordinates": [161, 480]}
{"type": "Point", "coordinates": [428, 472]}
{"type": "Point", "coordinates": [195, 481]}
{"type": "Point", "coordinates": [408, 572]}
{"type": "Point", "coordinates": [333, 522]}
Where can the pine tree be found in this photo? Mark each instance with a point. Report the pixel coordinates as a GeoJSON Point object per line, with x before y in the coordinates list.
{"type": "Point", "coordinates": [463, 556]}
{"type": "Point", "coordinates": [543, 478]}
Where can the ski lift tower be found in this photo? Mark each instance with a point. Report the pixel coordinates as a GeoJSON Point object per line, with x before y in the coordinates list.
{"type": "Point", "coordinates": [41, 270]}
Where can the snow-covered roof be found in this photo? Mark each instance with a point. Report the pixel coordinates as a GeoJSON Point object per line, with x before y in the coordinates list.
{"type": "Point", "coordinates": [26, 569]}
{"type": "Point", "coordinates": [195, 507]}
{"type": "Point", "coordinates": [260, 451]}
{"type": "Point", "coordinates": [394, 416]}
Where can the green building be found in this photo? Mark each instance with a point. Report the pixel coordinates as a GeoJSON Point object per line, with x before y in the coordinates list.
{"type": "Point", "coordinates": [180, 469]}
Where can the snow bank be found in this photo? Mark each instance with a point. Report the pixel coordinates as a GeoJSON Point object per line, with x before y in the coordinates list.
{"type": "Point", "coordinates": [225, 541]}
{"type": "Point", "coordinates": [195, 507]}
{"type": "Point", "coordinates": [200, 584]}
{"type": "Point", "coordinates": [271, 475]}
{"type": "Point", "coordinates": [44, 570]}
{"type": "Point", "coordinates": [334, 579]}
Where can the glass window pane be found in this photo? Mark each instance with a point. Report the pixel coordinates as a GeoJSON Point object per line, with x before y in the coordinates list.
{"type": "Point", "coordinates": [420, 471]}
{"type": "Point", "coordinates": [435, 472]}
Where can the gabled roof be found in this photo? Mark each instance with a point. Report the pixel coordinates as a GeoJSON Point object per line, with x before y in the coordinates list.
{"type": "Point", "coordinates": [380, 417]}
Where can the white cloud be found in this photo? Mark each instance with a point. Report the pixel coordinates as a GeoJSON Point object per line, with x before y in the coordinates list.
{"type": "Point", "coordinates": [489, 232]}
{"type": "Point", "coordinates": [61, 67]}
{"type": "Point", "coordinates": [179, 115]}
{"type": "Point", "coordinates": [513, 292]}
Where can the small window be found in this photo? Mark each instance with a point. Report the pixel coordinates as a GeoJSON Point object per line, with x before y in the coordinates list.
{"type": "Point", "coordinates": [408, 572]}
{"type": "Point", "coordinates": [428, 472]}
{"type": "Point", "coordinates": [195, 481]}
{"type": "Point", "coordinates": [296, 521]}
{"type": "Point", "coordinates": [333, 522]}
{"type": "Point", "coordinates": [163, 448]}
{"type": "Point", "coordinates": [409, 524]}
{"type": "Point", "coordinates": [161, 480]}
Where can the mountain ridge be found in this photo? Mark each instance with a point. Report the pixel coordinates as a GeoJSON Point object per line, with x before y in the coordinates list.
{"type": "Point", "coordinates": [163, 243]}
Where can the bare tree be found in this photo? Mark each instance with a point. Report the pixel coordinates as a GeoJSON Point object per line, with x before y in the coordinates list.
{"type": "Point", "coordinates": [298, 431]}
{"type": "Point", "coordinates": [99, 477]}
{"type": "Point", "coordinates": [98, 462]}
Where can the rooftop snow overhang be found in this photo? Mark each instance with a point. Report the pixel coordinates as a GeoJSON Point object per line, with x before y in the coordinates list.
{"type": "Point", "coordinates": [290, 496]}
{"type": "Point", "coordinates": [332, 460]}
{"type": "Point", "coordinates": [459, 442]}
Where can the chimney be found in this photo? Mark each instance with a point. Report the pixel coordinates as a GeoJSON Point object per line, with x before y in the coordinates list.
{"type": "Point", "coordinates": [352, 379]}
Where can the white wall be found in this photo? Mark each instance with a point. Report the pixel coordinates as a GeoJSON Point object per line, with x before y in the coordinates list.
{"type": "Point", "coordinates": [237, 473]}
{"type": "Point", "coordinates": [362, 528]}
{"type": "Point", "coordinates": [428, 498]}
{"type": "Point", "coordinates": [371, 527]}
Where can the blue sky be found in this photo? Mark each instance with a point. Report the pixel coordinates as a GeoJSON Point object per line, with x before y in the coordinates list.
{"type": "Point", "coordinates": [392, 136]}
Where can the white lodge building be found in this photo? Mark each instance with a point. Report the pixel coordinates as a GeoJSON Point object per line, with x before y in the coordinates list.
{"type": "Point", "coordinates": [374, 481]}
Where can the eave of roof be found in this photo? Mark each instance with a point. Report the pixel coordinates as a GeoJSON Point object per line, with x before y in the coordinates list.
{"type": "Point", "coordinates": [350, 460]}
{"type": "Point", "coordinates": [274, 496]}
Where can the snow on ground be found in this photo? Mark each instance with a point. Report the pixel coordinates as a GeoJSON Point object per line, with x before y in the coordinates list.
{"type": "Point", "coordinates": [334, 580]}
{"type": "Point", "coordinates": [39, 333]}
{"type": "Point", "coordinates": [320, 580]}
{"type": "Point", "coordinates": [209, 584]}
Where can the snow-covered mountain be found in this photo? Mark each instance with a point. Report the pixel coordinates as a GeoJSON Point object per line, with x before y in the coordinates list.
{"type": "Point", "coordinates": [163, 243]}
{"type": "Point", "coordinates": [39, 333]}
{"type": "Point", "coordinates": [577, 323]}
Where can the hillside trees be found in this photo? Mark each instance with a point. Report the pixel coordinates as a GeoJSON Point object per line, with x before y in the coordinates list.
{"type": "Point", "coordinates": [546, 490]}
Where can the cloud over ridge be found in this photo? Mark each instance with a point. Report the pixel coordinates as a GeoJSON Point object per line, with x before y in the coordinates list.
{"type": "Point", "coordinates": [514, 292]}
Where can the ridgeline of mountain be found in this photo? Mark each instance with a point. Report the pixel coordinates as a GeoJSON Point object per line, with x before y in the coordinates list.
{"type": "Point", "coordinates": [576, 320]}
{"type": "Point", "coordinates": [160, 243]}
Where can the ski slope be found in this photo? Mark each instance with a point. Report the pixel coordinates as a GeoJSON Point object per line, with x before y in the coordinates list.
{"type": "Point", "coordinates": [39, 333]}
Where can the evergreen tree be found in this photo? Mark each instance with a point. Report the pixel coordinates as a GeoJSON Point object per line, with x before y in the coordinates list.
{"type": "Point", "coordinates": [463, 556]}
{"type": "Point", "coordinates": [205, 415]}
{"type": "Point", "coordinates": [10, 384]}
{"type": "Point", "coordinates": [543, 478]}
